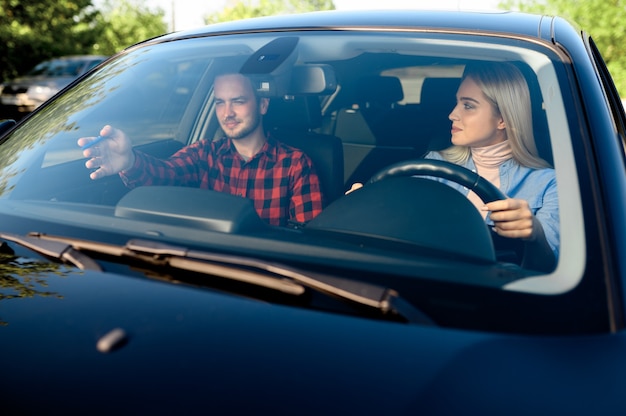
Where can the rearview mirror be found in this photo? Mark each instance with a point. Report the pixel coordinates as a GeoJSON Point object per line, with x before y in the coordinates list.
{"type": "Point", "coordinates": [312, 79]}
{"type": "Point", "coordinates": [299, 80]}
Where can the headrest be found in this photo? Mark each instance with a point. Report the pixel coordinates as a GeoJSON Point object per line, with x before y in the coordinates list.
{"type": "Point", "coordinates": [383, 90]}
{"type": "Point", "coordinates": [299, 112]}
{"type": "Point", "coordinates": [437, 100]}
{"type": "Point", "coordinates": [439, 93]}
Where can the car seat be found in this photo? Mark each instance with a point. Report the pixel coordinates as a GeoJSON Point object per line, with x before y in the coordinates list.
{"type": "Point", "coordinates": [293, 121]}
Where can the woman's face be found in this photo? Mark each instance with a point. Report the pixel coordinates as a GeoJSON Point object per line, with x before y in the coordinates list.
{"type": "Point", "coordinates": [475, 121]}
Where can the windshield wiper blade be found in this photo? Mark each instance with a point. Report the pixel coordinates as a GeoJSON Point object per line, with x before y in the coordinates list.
{"type": "Point", "coordinates": [382, 298]}
{"type": "Point", "coordinates": [258, 272]}
{"type": "Point", "coordinates": [175, 256]}
{"type": "Point", "coordinates": [205, 263]}
{"type": "Point", "coordinates": [57, 250]}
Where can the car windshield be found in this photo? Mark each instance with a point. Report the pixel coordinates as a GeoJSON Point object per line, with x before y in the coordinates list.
{"type": "Point", "coordinates": [58, 68]}
{"type": "Point", "coordinates": [355, 103]}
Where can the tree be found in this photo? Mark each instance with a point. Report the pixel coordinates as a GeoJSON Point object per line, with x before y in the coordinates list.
{"type": "Point", "coordinates": [603, 19]}
{"type": "Point", "coordinates": [34, 30]}
{"type": "Point", "coordinates": [122, 23]}
{"type": "Point", "coordinates": [242, 9]}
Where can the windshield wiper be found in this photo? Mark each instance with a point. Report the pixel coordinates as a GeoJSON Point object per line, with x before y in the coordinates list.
{"type": "Point", "coordinates": [54, 249]}
{"type": "Point", "coordinates": [244, 269]}
{"type": "Point", "coordinates": [384, 299]}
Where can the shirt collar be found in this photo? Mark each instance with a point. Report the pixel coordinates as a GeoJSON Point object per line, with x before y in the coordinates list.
{"type": "Point", "coordinates": [269, 149]}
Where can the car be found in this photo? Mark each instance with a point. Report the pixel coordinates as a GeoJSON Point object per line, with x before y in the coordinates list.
{"type": "Point", "coordinates": [22, 95]}
{"type": "Point", "coordinates": [397, 298]}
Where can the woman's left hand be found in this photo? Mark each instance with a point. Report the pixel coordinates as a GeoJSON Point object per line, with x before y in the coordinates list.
{"type": "Point", "coordinates": [512, 218]}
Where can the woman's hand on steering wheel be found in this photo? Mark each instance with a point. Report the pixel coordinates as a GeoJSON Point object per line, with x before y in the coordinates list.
{"type": "Point", "coordinates": [513, 218]}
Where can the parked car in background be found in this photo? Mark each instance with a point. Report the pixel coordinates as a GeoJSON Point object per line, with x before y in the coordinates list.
{"type": "Point", "coordinates": [22, 95]}
{"type": "Point", "coordinates": [396, 299]}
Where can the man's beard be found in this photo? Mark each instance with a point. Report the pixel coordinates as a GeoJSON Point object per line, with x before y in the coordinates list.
{"type": "Point", "coordinates": [246, 131]}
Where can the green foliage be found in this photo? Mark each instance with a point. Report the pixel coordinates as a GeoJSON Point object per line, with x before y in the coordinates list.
{"type": "Point", "coordinates": [32, 31]}
{"type": "Point", "coordinates": [603, 19]}
{"type": "Point", "coordinates": [122, 23]}
{"type": "Point", "coordinates": [242, 9]}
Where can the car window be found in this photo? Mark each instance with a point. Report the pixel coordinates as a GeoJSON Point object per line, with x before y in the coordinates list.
{"type": "Point", "coordinates": [59, 68]}
{"type": "Point", "coordinates": [384, 105]}
{"type": "Point", "coordinates": [412, 79]}
{"type": "Point", "coordinates": [92, 64]}
{"type": "Point", "coordinates": [610, 89]}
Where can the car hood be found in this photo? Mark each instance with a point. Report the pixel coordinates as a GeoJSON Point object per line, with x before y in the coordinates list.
{"type": "Point", "coordinates": [192, 350]}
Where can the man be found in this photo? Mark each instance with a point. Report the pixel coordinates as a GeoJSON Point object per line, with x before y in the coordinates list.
{"type": "Point", "coordinates": [279, 179]}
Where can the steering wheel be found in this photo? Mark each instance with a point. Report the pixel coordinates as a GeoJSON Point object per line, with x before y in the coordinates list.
{"type": "Point", "coordinates": [446, 170]}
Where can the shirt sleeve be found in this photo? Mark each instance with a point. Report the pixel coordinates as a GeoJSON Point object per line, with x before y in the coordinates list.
{"type": "Point", "coordinates": [548, 215]}
{"type": "Point", "coordinates": [182, 168]}
{"type": "Point", "coordinates": [306, 195]}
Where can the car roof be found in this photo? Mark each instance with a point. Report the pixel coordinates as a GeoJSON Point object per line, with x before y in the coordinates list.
{"type": "Point", "coordinates": [504, 22]}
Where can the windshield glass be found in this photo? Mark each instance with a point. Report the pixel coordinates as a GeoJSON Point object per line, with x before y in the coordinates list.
{"type": "Point", "coordinates": [335, 109]}
{"type": "Point", "coordinates": [58, 68]}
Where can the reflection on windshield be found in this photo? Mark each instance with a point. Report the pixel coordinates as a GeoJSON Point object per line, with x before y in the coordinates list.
{"type": "Point", "coordinates": [24, 278]}
{"type": "Point", "coordinates": [57, 68]}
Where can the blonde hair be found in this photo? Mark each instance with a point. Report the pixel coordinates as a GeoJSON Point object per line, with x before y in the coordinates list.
{"type": "Point", "coordinates": [505, 87]}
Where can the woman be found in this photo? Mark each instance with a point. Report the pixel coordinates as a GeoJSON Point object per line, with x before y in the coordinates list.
{"type": "Point", "coordinates": [492, 134]}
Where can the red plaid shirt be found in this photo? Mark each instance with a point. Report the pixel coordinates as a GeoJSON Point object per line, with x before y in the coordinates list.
{"type": "Point", "coordinates": [280, 179]}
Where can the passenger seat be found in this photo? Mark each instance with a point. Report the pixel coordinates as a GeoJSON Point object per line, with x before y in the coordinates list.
{"type": "Point", "coordinates": [293, 121]}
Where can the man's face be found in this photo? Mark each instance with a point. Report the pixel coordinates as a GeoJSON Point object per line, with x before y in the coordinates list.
{"type": "Point", "coordinates": [237, 109]}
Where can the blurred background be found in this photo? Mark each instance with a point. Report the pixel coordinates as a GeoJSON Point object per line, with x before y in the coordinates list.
{"type": "Point", "coordinates": [34, 33]}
